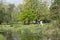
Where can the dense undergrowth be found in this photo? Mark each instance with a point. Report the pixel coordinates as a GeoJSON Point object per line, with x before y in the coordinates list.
{"type": "Point", "coordinates": [31, 32]}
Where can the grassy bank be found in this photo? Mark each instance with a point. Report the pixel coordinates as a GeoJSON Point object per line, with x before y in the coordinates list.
{"type": "Point", "coordinates": [32, 32]}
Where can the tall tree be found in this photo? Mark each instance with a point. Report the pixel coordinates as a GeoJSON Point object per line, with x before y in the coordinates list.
{"type": "Point", "coordinates": [55, 10]}
{"type": "Point", "coordinates": [2, 10]}
{"type": "Point", "coordinates": [32, 10]}
{"type": "Point", "coordinates": [8, 13]}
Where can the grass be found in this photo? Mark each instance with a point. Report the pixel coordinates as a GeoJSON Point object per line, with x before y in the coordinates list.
{"type": "Point", "coordinates": [22, 27]}
{"type": "Point", "coordinates": [1, 37]}
{"type": "Point", "coordinates": [30, 32]}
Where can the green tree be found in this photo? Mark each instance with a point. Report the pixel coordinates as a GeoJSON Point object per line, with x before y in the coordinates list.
{"type": "Point", "coordinates": [2, 10]}
{"type": "Point", "coordinates": [8, 13]}
{"type": "Point", "coordinates": [55, 11]}
{"type": "Point", "coordinates": [27, 11]}
{"type": "Point", "coordinates": [42, 11]}
{"type": "Point", "coordinates": [32, 10]}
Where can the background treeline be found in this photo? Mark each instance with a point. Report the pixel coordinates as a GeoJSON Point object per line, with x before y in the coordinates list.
{"type": "Point", "coordinates": [8, 13]}
{"type": "Point", "coordinates": [31, 11]}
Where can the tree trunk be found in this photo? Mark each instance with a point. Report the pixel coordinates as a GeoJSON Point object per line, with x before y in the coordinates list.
{"type": "Point", "coordinates": [24, 22]}
{"type": "Point", "coordinates": [0, 22]}
{"type": "Point", "coordinates": [28, 22]}
{"type": "Point", "coordinates": [36, 21]}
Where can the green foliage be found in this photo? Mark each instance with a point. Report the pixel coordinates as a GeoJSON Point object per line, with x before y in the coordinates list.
{"type": "Point", "coordinates": [30, 10]}
{"type": "Point", "coordinates": [6, 12]}
{"type": "Point", "coordinates": [56, 34]}
{"type": "Point", "coordinates": [1, 37]}
{"type": "Point", "coordinates": [1, 12]}
{"type": "Point", "coordinates": [55, 11]}
{"type": "Point", "coordinates": [33, 10]}
{"type": "Point", "coordinates": [32, 32]}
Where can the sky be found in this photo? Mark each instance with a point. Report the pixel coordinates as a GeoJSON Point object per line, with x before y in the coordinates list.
{"type": "Point", "coordinates": [16, 2]}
